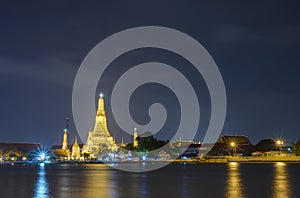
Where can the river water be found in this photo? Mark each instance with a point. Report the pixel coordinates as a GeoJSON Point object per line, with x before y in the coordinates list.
{"type": "Point", "coordinates": [232, 180]}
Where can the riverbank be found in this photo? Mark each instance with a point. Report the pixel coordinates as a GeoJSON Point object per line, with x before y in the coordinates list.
{"type": "Point", "coordinates": [293, 159]}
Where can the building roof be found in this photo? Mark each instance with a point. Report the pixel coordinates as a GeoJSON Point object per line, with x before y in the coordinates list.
{"type": "Point", "coordinates": [22, 147]}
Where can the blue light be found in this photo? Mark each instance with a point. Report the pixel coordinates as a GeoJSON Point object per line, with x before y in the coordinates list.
{"type": "Point", "coordinates": [42, 156]}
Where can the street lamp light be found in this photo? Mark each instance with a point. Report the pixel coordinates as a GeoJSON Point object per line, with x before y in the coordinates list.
{"type": "Point", "coordinates": [233, 145]}
{"type": "Point", "coordinates": [279, 144]}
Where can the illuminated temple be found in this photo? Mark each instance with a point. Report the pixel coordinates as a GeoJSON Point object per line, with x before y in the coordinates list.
{"type": "Point", "coordinates": [99, 139]}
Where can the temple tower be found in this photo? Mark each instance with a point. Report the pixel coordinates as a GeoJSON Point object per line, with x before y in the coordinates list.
{"type": "Point", "coordinates": [122, 145]}
{"type": "Point", "coordinates": [100, 139]}
{"type": "Point", "coordinates": [135, 141]}
{"type": "Point", "coordinates": [65, 145]}
{"type": "Point", "coordinates": [75, 150]}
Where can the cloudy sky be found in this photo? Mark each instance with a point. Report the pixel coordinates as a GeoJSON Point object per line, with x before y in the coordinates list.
{"type": "Point", "coordinates": [255, 44]}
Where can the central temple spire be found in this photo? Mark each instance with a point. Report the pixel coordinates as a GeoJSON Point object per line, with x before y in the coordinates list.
{"type": "Point", "coordinates": [101, 117]}
{"type": "Point", "coordinates": [101, 111]}
{"type": "Point", "coordinates": [100, 137]}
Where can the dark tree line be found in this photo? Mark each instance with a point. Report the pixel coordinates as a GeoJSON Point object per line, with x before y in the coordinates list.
{"type": "Point", "coordinates": [146, 142]}
{"type": "Point", "coordinates": [296, 148]}
{"type": "Point", "coordinates": [149, 143]}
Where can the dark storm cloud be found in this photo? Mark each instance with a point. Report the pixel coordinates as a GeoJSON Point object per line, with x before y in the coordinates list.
{"type": "Point", "coordinates": [47, 70]}
{"type": "Point", "coordinates": [280, 34]}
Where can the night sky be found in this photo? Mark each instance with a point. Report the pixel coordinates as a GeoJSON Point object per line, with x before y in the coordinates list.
{"type": "Point", "coordinates": [255, 44]}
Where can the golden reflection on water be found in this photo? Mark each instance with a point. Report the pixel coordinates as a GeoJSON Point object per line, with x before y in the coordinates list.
{"type": "Point", "coordinates": [235, 187]}
{"type": "Point", "coordinates": [96, 180]}
{"type": "Point", "coordinates": [99, 182]}
{"type": "Point", "coordinates": [281, 186]}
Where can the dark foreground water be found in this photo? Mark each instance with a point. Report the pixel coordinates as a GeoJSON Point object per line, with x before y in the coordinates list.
{"type": "Point", "coordinates": [176, 180]}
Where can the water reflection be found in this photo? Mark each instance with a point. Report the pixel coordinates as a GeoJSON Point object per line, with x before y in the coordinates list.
{"type": "Point", "coordinates": [144, 190]}
{"type": "Point", "coordinates": [185, 186]}
{"type": "Point", "coordinates": [234, 183]}
{"type": "Point", "coordinates": [281, 187]}
{"type": "Point", "coordinates": [114, 183]}
{"type": "Point", "coordinates": [97, 182]}
{"type": "Point", "coordinates": [41, 189]}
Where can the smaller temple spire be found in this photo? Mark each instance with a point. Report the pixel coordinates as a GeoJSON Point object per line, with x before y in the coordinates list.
{"type": "Point", "coordinates": [180, 140]}
{"type": "Point", "coordinates": [65, 140]}
{"type": "Point", "coordinates": [135, 141]}
{"type": "Point", "coordinates": [122, 143]}
{"type": "Point", "coordinates": [76, 142]}
{"type": "Point", "coordinates": [75, 149]}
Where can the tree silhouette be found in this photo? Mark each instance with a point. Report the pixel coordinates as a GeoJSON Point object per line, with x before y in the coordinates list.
{"type": "Point", "coordinates": [296, 148]}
